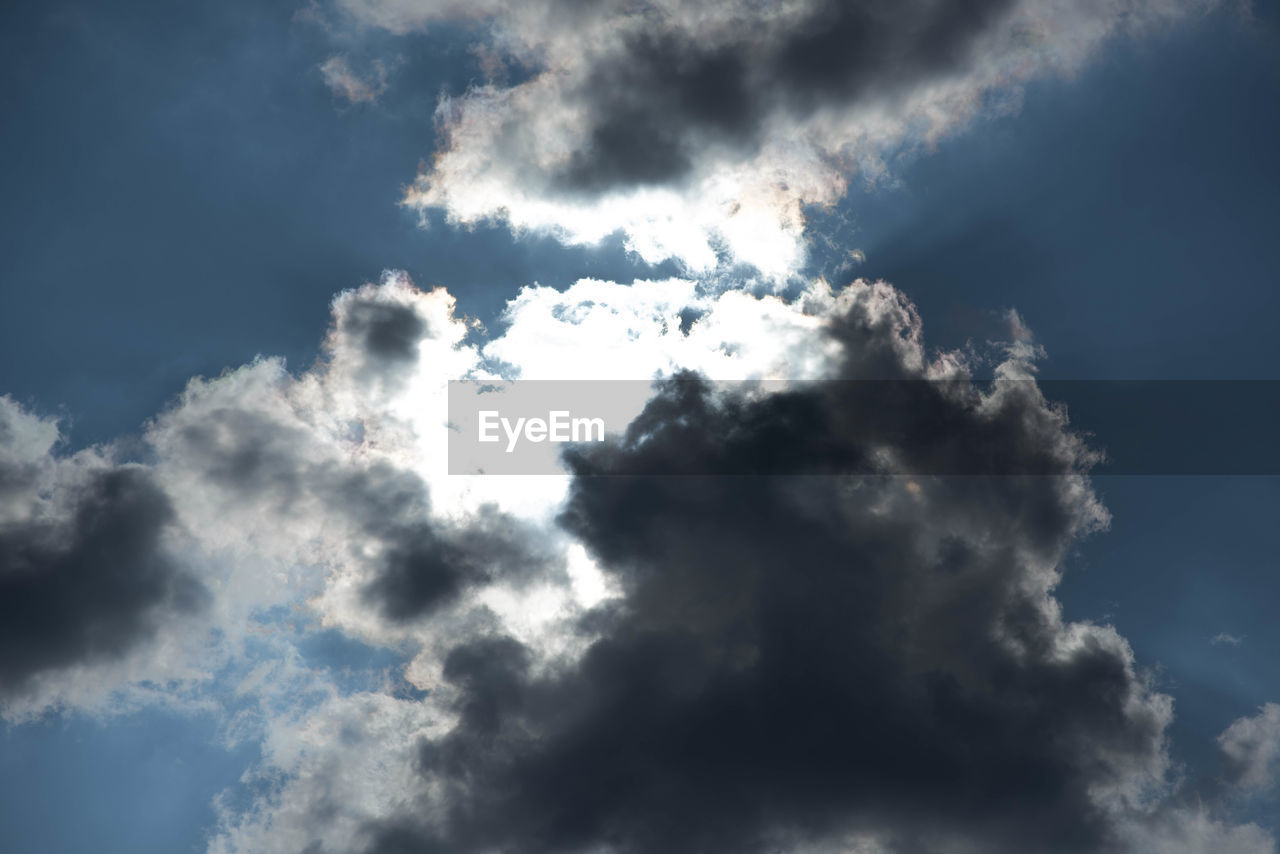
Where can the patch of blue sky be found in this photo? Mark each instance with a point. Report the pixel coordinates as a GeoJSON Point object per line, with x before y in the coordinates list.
{"type": "Point", "coordinates": [143, 782]}
{"type": "Point", "coordinates": [1187, 558]}
{"type": "Point", "coordinates": [1127, 213]}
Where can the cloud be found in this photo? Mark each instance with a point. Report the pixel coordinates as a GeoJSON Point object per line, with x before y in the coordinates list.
{"type": "Point", "coordinates": [1195, 830]}
{"type": "Point", "coordinates": [608, 660]}
{"type": "Point", "coordinates": [85, 575]}
{"type": "Point", "coordinates": [1228, 639]}
{"type": "Point", "coordinates": [624, 662]}
{"type": "Point", "coordinates": [346, 759]}
{"type": "Point", "coordinates": [796, 658]}
{"type": "Point", "coordinates": [345, 83]}
{"type": "Point", "coordinates": [1250, 747]}
{"type": "Point", "coordinates": [256, 490]}
{"type": "Point", "coordinates": [703, 130]}
{"type": "Point", "coordinates": [326, 469]}
{"type": "Point", "coordinates": [797, 663]}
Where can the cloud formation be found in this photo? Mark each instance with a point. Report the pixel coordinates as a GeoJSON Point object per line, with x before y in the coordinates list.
{"type": "Point", "coordinates": [620, 662]}
{"type": "Point", "coordinates": [798, 661]}
{"type": "Point", "coordinates": [1251, 746]}
{"type": "Point", "coordinates": [832, 663]}
{"type": "Point", "coordinates": [608, 660]}
{"type": "Point", "coordinates": [347, 84]}
{"type": "Point", "coordinates": [85, 575]}
{"type": "Point", "coordinates": [702, 130]}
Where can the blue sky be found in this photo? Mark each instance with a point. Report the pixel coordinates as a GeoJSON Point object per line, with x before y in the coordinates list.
{"type": "Point", "coordinates": [1139, 200]}
{"type": "Point", "coordinates": [183, 193]}
{"type": "Point", "coordinates": [210, 137]}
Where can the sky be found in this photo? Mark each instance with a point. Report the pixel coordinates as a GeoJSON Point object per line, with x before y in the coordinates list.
{"type": "Point", "coordinates": [245, 607]}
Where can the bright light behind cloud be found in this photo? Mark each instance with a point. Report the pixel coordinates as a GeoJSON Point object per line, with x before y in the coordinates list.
{"type": "Point", "coordinates": [762, 654]}
{"type": "Point", "coordinates": [321, 501]}
{"type": "Point", "coordinates": [701, 131]}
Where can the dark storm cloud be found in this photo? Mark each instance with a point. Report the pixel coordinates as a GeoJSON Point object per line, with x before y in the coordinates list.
{"type": "Point", "coordinates": [87, 586]}
{"type": "Point", "coordinates": [386, 331]}
{"type": "Point", "coordinates": [795, 659]}
{"type": "Point", "coordinates": [381, 337]}
{"type": "Point", "coordinates": [427, 565]}
{"type": "Point", "coordinates": [666, 95]}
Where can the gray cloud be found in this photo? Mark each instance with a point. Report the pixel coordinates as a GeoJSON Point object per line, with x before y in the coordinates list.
{"type": "Point", "coordinates": [667, 95]}
{"type": "Point", "coordinates": [280, 458]}
{"type": "Point", "coordinates": [386, 332]}
{"type": "Point", "coordinates": [379, 515]}
{"type": "Point", "coordinates": [84, 575]}
{"type": "Point", "coordinates": [797, 661]}
{"type": "Point", "coordinates": [1250, 747]}
{"type": "Point", "coordinates": [871, 663]}
{"type": "Point", "coordinates": [428, 564]}
{"type": "Point", "coordinates": [703, 129]}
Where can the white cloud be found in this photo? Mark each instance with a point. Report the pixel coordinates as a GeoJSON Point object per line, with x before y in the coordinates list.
{"type": "Point", "coordinates": [693, 180]}
{"type": "Point", "coordinates": [355, 88]}
{"type": "Point", "coordinates": [333, 769]}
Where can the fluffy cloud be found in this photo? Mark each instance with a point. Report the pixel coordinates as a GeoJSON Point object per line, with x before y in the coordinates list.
{"type": "Point", "coordinates": [333, 471]}
{"type": "Point", "coordinates": [745, 657]}
{"type": "Point", "coordinates": [1251, 746]}
{"type": "Point", "coordinates": [834, 663]}
{"type": "Point", "coordinates": [800, 659]}
{"type": "Point", "coordinates": [1194, 830]}
{"type": "Point", "coordinates": [347, 759]}
{"type": "Point", "coordinates": [605, 660]}
{"type": "Point", "coordinates": [86, 572]}
{"type": "Point", "coordinates": [701, 129]}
